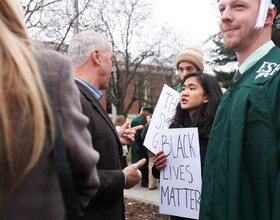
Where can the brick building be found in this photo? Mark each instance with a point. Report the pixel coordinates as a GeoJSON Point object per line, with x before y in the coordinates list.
{"type": "Point", "coordinates": [153, 82]}
{"type": "Point", "coordinates": [152, 79]}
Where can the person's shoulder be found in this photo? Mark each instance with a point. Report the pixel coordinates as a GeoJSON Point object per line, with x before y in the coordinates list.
{"type": "Point", "coordinates": [52, 53]}
{"type": "Point", "coordinates": [178, 88]}
{"type": "Point", "coordinates": [137, 120]}
{"type": "Point", "coordinates": [269, 67]}
{"type": "Point", "coordinates": [277, 49]}
{"type": "Point", "coordinates": [51, 57]}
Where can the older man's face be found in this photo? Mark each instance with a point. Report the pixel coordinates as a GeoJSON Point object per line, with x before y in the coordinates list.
{"type": "Point", "coordinates": [106, 67]}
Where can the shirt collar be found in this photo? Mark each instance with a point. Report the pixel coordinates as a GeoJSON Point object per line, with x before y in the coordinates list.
{"type": "Point", "coordinates": [255, 57]}
{"type": "Point", "coordinates": [96, 92]}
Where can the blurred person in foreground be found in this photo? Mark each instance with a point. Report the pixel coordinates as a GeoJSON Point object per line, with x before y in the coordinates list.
{"type": "Point", "coordinates": [92, 58]}
{"type": "Point", "coordinates": [29, 185]}
{"type": "Point", "coordinates": [241, 177]}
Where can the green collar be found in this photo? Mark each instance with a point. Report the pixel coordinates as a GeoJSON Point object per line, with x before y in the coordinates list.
{"type": "Point", "coordinates": [256, 56]}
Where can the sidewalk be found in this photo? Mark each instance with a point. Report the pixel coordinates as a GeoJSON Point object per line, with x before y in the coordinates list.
{"type": "Point", "coordinates": [143, 194]}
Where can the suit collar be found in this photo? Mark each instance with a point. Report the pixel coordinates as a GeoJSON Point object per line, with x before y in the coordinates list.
{"type": "Point", "coordinates": [96, 92]}
{"type": "Point", "coordinates": [97, 105]}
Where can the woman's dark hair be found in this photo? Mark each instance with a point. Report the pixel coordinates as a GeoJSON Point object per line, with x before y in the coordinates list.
{"type": "Point", "coordinates": [144, 119]}
{"type": "Point", "coordinates": [203, 118]}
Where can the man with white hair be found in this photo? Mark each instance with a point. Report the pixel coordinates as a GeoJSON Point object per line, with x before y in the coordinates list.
{"type": "Point", "coordinates": [241, 178]}
{"type": "Point", "coordinates": [92, 58]}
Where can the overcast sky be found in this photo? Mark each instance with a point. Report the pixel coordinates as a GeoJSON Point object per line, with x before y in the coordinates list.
{"type": "Point", "coordinates": [195, 19]}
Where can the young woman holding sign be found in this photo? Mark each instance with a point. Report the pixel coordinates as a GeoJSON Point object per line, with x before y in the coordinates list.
{"type": "Point", "coordinates": [199, 100]}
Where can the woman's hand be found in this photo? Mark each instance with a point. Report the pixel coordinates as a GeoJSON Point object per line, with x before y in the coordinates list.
{"type": "Point", "coordinates": [160, 159]}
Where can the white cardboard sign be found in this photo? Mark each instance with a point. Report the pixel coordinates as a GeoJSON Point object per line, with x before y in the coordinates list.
{"type": "Point", "coordinates": [163, 113]}
{"type": "Point", "coordinates": [180, 180]}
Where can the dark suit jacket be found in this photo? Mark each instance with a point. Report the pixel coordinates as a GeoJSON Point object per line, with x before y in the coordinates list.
{"type": "Point", "coordinates": [108, 203]}
{"type": "Point", "coordinates": [38, 196]}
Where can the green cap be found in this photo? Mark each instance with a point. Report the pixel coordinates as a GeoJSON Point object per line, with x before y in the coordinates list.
{"type": "Point", "coordinates": [146, 109]}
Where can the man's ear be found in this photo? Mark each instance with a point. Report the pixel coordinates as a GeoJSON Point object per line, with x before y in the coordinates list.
{"type": "Point", "coordinates": [95, 56]}
{"type": "Point", "coordinates": [271, 13]}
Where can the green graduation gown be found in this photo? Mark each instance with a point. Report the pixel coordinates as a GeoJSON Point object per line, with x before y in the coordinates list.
{"type": "Point", "coordinates": [241, 178]}
{"type": "Point", "coordinates": [133, 147]}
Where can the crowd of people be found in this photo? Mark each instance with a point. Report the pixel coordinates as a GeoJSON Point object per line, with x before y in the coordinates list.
{"type": "Point", "coordinates": [63, 158]}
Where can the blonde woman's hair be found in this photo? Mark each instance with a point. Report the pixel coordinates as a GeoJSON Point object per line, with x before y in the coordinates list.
{"type": "Point", "coordinates": [25, 109]}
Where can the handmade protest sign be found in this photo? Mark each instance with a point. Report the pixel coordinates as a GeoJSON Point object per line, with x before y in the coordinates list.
{"type": "Point", "coordinates": [163, 113]}
{"type": "Point", "coordinates": [180, 180]}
